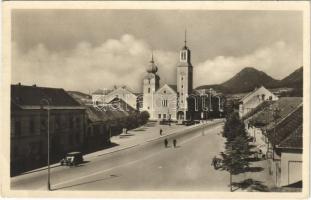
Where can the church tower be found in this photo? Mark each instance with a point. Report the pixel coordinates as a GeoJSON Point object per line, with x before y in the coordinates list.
{"type": "Point", "coordinates": [151, 84]}
{"type": "Point", "coordinates": [184, 80]}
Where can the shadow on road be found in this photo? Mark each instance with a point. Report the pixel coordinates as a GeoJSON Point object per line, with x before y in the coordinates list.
{"type": "Point", "coordinates": [84, 183]}
{"type": "Point", "coordinates": [41, 169]}
{"type": "Point", "coordinates": [254, 169]}
{"type": "Point", "coordinates": [250, 184]}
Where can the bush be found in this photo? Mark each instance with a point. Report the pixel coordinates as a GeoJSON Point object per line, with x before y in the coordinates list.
{"type": "Point", "coordinates": [144, 115]}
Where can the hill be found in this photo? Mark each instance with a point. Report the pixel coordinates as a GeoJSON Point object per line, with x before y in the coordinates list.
{"type": "Point", "coordinates": [249, 78]}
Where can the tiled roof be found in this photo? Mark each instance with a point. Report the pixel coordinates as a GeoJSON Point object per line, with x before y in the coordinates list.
{"type": "Point", "coordinates": [286, 105]}
{"type": "Point", "coordinates": [294, 140]}
{"type": "Point", "coordinates": [22, 95]}
{"type": "Point", "coordinates": [285, 127]}
{"type": "Point", "coordinates": [117, 109]}
{"type": "Point", "coordinates": [259, 108]}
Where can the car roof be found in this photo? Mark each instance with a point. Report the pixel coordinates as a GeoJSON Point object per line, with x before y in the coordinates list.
{"type": "Point", "coordinates": [74, 153]}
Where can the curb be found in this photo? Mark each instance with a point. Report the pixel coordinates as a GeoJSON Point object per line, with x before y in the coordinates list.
{"type": "Point", "coordinates": [129, 147]}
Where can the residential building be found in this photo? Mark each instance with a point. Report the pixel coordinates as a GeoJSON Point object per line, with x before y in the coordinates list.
{"type": "Point", "coordinates": [255, 98]}
{"type": "Point", "coordinates": [34, 112]}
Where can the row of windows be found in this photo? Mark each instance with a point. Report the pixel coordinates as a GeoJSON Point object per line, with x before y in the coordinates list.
{"type": "Point", "coordinates": [58, 124]}
{"type": "Point", "coordinates": [164, 116]}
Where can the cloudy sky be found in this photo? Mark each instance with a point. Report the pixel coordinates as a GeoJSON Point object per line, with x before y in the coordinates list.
{"type": "Point", "coordinates": [89, 49]}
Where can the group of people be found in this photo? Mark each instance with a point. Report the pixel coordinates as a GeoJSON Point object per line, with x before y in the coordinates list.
{"type": "Point", "coordinates": [166, 143]}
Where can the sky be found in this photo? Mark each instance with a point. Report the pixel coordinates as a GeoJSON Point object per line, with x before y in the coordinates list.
{"type": "Point", "coordinates": [86, 50]}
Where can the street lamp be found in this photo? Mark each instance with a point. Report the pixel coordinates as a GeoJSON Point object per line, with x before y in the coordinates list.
{"type": "Point", "coordinates": [48, 138]}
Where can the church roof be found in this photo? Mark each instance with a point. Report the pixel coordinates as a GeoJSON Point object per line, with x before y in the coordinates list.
{"type": "Point", "coordinates": [174, 87]}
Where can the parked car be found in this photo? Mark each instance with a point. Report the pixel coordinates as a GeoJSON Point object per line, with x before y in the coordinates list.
{"type": "Point", "coordinates": [72, 159]}
{"type": "Point", "coordinates": [165, 122]}
{"type": "Point", "coordinates": [188, 123]}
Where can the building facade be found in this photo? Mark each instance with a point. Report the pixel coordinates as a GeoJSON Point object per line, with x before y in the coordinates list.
{"type": "Point", "coordinates": [254, 99]}
{"type": "Point", "coordinates": [178, 102]}
{"type": "Point", "coordinates": [32, 117]}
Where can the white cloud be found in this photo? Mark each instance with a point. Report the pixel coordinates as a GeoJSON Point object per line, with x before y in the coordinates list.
{"type": "Point", "coordinates": [124, 61]}
{"type": "Point", "coordinates": [277, 60]}
{"type": "Point", "coordinates": [87, 67]}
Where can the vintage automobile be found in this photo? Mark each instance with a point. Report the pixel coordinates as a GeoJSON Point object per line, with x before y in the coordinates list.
{"type": "Point", "coordinates": [188, 123]}
{"type": "Point", "coordinates": [72, 159]}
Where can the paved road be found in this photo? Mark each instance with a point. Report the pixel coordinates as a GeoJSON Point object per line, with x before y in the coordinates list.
{"type": "Point", "coordinates": [146, 167]}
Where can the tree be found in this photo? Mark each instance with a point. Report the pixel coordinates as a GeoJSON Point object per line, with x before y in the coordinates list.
{"type": "Point", "coordinates": [233, 126]}
{"type": "Point", "coordinates": [144, 116]}
{"type": "Point", "coordinates": [234, 159]}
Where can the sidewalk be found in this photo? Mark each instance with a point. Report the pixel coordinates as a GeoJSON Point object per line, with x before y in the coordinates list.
{"type": "Point", "coordinates": [140, 135]}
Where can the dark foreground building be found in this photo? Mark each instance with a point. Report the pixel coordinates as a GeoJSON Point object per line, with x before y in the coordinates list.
{"type": "Point", "coordinates": [29, 125]}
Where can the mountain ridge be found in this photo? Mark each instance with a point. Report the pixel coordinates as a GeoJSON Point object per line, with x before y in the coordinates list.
{"type": "Point", "coordinates": [249, 78]}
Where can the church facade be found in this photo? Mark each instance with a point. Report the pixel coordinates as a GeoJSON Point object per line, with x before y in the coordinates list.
{"type": "Point", "coordinates": [174, 102]}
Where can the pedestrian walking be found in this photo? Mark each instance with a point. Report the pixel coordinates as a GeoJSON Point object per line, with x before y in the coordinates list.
{"type": "Point", "coordinates": [214, 162]}
{"type": "Point", "coordinates": [165, 143]}
{"type": "Point", "coordinates": [175, 143]}
{"type": "Point", "coordinates": [161, 131]}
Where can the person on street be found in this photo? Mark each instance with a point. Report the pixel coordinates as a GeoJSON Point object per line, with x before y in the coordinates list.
{"type": "Point", "coordinates": [214, 162]}
{"type": "Point", "coordinates": [175, 143]}
{"type": "Point", "coordinates": [161, 131]}
{"type": "Point", "coordinates": [165, 143]}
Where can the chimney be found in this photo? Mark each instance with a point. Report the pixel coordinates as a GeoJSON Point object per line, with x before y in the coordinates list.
{"type": "Point", "coordinates": [34, 85]}
{"type": "Point", "coordinates": [19, 84]}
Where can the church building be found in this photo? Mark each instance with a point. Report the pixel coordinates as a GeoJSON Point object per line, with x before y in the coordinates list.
{"type": "Point", "coordinates": [174, 102]}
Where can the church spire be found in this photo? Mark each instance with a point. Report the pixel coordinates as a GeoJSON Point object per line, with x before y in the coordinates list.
{"type": "Point", "coordinates": [185, 37]}
{"type": "Point", "coordinates": [152, 61]}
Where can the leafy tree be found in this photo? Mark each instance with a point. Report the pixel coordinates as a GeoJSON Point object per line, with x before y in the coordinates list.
{"type": "Point", "coordinates": [144, 116]}
{"type": "Point", "coordinates": [233, 126]}
{"type": "Point", "coordinates": [235, 157]}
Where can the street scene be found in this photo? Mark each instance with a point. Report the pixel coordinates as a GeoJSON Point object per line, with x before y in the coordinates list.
{"type": "Point", "coordinates": [156, 100]}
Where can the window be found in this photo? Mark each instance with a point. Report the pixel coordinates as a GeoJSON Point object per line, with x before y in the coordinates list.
{"type": "Point", "coordinates": [270, 98]}
{"type": "Point", "coordinates": [182, 78]}
{"type": "Point", "coordinates": [164, 103]}
{"type": "Point", "coordinates": [169, 116]}
{"type": "Point", "coordinates": [77, 138]}
{"type": "Point", "coordinates": [148, 90]}
{"type": "Point", "coordinates": [18, 130]}
{"type": "Point", "coordinates": [149, 81]}
{"type": "Point", "coordinates": [164, 91]}
{"type": "Point", "coordinates": [78, 122]}
{"type": "Point", "coordinates": [182, 86]}
{"type": "Point", "coordinates": [57, 123]}
{"type": "Point", "coordinates": [31, 126]}
{"type": "Point", "coordinates": [43, 124]}
{"type": "Point", "coordinates": [71, 122]}
{"type": "Point", "coordinates": [159, 116]}
{"type": "Point", "coordinates": [148, 108]}
{"type": "Point", "coordinates": [164, 116]}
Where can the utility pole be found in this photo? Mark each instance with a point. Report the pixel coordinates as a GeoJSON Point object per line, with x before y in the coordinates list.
{"type": "Point", "coordinates": [48, 140]}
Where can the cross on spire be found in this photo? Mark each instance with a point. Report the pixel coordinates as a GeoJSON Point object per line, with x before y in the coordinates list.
{"type": "Point", "coordinates": [152, 61]}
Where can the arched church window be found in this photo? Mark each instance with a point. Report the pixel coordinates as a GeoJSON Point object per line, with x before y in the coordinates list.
{"type": "Point", "coordinates": [148, 90]}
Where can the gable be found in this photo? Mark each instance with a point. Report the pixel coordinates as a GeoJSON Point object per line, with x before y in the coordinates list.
{"type": "Point", "coordinates": [166, 89]}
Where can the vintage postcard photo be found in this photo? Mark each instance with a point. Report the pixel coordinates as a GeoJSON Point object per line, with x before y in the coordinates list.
{"type": "Point", "coordinates": [156, 99]}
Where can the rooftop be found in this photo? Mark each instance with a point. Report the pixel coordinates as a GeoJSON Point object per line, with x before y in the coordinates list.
{"type": "Point", "coordinates": [293, 141]}
{"type": "Point", "coordinates": [22, 95]}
